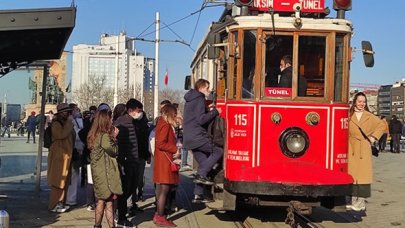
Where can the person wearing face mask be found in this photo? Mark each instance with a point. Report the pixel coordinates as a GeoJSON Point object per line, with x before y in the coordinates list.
{"type": "Point", "coordinates": [141, 128]}
{"type": "Point", "coordinates": [364, 128]}
{"type": "Point", "coordinates": [71, 196]}
{"type": "Point", "coordinates": [128, 155]}
{"type": "Point", "coordinates": [285, 77]}
{"type": "Point", "coordinates": [197, 116]}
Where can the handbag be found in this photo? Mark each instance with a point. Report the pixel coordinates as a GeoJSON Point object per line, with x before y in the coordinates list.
{"type": "Point", "coordinates": [374, 150]}
{"type": "Point", "coordinates": [173, 166]}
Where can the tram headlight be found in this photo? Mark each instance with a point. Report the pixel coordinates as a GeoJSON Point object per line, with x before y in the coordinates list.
{"type": "Point", "coordinates": [244, 2]}
{"type": "Point", "coordinates": [294, 142]}
{"type": "Point", "coordinates": [342, 4]}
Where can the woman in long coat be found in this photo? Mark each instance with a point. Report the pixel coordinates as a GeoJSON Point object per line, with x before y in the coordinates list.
{"type": "Point", "coordinates": [360, 157]}
{"type": "Point", "coordinates": [165, 152]}
{"type": "Point", "coordinates": [59, 158]}
{"type": "Point", "coordinates": [104, 167]}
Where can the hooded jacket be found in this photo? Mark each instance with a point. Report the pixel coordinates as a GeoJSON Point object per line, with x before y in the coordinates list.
{"type": "Point", "coordinates": [196, 120]}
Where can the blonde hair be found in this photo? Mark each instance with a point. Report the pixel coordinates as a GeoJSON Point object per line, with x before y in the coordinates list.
{"type": "Point", "coordinates": [169, 113]}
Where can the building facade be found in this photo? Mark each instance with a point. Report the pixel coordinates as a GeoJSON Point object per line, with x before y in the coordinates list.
{"type": "Point", "coordinates": [99, 62]}
{"type": "Point", "coordinates": [384, 101]}
{"type": "Point", "coordinates": [397, 99]}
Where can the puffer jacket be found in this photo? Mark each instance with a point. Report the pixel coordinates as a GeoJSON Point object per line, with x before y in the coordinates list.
{"type": "Point", "coordinates": [127, 140]}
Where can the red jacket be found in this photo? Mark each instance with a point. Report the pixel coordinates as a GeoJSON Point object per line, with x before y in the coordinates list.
{"type": "Point", "coordinates": [165, 147]}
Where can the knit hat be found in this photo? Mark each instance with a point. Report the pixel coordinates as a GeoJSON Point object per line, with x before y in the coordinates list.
{"type": "Point", "coordinates": [103, 106]}
{"type": "Point", "coordinates": [63, 107]}
{"type": "Point", "coordinates": [33, 113]}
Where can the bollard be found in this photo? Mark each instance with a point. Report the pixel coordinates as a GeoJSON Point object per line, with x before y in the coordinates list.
{"type": "Point", "coordinates": [4, 219]}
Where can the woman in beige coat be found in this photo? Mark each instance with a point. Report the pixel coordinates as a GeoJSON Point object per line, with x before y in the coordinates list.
{"type": "Point", "coordinates": [359, 157]}
{"type": "Point", "coordinates": [59, 158]}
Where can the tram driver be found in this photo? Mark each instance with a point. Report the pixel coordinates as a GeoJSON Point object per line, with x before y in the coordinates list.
{"type": "Point", "coordinates": [285, 77]}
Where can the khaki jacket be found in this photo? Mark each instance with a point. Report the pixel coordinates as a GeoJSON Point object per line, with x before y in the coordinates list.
{"type": "Point", "coordinates": [104, 167]}
{"type": "Point", "coordinates": [60, 154]}
{"type": "Point", "coordinates": [360, 157]}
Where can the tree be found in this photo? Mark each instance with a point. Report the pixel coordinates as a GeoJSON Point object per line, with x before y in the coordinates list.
{"type": "Point", "coordinates": [125, 95]}
{"type": "Point", "coordinates": [173, 95]}
{"type": "Point", "coordinates": [93, 92]}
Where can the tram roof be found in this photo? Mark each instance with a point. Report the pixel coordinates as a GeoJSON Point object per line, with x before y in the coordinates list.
{"type": "Point", "coordinates": [28, 35]}
{"type": "Point", "coordinates": [265, 21]}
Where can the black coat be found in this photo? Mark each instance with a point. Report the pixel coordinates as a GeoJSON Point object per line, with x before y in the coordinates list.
{"type": "Point", "coordinates": [126, 139]}
{"type": "Point", "coordinates": [395, 126]}
{"type": "Point", "coordinates": [142, 136]}
{"type": "Point", "coordinates": [196, 120]}
{"type": "Point", "coordinates": [286, 81]}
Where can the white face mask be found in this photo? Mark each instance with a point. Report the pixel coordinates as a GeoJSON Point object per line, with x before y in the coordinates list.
{"type": "Point", "coordinates": [281, 69]}
{"type": "Point", "coordinates": [138, 115]}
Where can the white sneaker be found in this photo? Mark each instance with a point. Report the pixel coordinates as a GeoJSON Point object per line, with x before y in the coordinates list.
{"type": "Point", "coordinates": [355, 208]}
{"type": "Point", "coordinates": [186, 168]}
{"type": "Point", "coordinates": [60, 208]}
{"type": "Point", "coordinates": [90, 208]}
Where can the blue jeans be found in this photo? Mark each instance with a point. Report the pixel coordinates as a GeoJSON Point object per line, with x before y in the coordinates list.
{"type": "Point", "coordinates": [184, 156]}
{"type": "Point", "coordinates": [207, 156]}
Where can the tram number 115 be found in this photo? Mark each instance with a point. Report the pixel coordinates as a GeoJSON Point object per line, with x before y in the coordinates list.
{"type": "Point", "coordinates": [240, 119]}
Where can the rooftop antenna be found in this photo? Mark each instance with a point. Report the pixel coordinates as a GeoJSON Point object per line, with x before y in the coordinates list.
{"type": "Point", "coordinates": [73, 3]}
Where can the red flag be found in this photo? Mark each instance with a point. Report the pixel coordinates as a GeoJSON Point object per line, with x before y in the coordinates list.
{"type": "Point", "coordinates": [166, 78]}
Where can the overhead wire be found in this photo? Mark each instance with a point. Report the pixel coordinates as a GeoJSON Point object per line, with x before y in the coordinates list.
{"type": "Point", "coordinates": [152, 32]}
{"type": "Point", "coordinates": [198, 20]}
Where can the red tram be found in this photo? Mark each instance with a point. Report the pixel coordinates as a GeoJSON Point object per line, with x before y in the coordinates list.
{"type": "Point", "coordinates": [282, 144]}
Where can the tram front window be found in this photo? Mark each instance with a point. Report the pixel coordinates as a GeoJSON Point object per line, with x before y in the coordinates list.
{"type": "Point", "coordinates": [306, 77]}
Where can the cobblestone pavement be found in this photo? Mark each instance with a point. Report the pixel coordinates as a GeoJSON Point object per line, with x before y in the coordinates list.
{"type": "Point", "coordinates": [27, 208]}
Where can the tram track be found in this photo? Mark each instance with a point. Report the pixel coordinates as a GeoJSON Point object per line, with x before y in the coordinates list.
{"type": "Point", "coordinates": [321, 218]}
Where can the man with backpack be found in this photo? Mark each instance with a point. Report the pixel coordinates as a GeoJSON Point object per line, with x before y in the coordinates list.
{"type": "Point", "coordinates": [195, 136]}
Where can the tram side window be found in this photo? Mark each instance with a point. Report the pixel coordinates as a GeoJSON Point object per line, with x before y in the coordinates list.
{"type": "Point", "coordinates": [311, 65]}
{"type": "Point", "coordinates": [221, 74]}
{"type": "Point", "coordinates": [234, 56]}
{"type": "Point", "coordinates": [249, 63]}
{"type": "Point", "coordinates": [339, 53]}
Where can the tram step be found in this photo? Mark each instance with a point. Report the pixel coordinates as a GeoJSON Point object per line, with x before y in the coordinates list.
{"type": "Point", "coordinates": [216, 205]}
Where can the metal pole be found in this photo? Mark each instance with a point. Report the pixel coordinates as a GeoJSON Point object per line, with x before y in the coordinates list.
{"type": "Point", "coordinates": [136, 66]}
{"type": "Point", "coordinates": [41, 130]}
{"type": "Point", "coordinates": [116, 72]}
{"type": "Point", "coordinates": [156, 88]}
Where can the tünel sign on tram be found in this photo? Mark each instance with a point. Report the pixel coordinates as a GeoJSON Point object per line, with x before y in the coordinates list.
{"type": "Point", "coordinates": [307, 6]}
{"type": "Point", "coordinates": [277, 92]}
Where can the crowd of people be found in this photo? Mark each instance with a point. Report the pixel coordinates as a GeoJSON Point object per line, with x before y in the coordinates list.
{"type": "Point", "coordinates": [107, 151]}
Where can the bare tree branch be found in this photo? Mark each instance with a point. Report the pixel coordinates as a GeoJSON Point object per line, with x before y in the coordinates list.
{"type": "Point", "coordinates": [93, 92]}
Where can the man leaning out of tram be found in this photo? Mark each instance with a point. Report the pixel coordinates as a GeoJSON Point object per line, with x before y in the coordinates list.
{"type": "Point", "coordinates": [195, 136]}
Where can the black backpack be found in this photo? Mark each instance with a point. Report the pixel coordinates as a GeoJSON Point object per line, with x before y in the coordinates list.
{"type": "Point", "coordinates": [48, 135]}
{"type": "Point", "coordinates": [216, 131]}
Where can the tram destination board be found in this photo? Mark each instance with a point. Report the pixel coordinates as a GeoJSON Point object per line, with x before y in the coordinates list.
{"type": "Point", "coordinates": [306, 6]}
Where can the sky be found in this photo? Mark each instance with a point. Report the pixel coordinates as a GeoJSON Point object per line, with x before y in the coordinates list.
{"type": "Point", "coordinates": [373, 21]}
